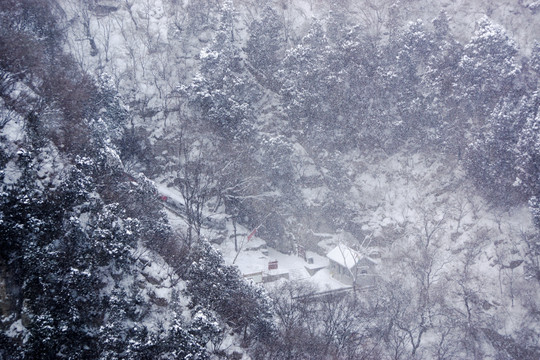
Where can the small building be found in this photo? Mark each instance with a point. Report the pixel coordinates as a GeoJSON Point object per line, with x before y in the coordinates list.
{"type": "Point", "coordinates": [349, 266]}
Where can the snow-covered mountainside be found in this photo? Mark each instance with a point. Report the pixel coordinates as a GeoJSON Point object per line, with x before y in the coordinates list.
{"type": "Point", "coordinates": [159, 158]}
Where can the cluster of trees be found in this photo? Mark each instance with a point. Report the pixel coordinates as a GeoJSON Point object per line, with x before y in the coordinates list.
{"type": "Point", "coordinates": [312, 326]}
{"type": "Point", "coordinates": [75, 225]}
{"type": "Point", "coordinates": [345, 90]}
{"type": "Point", "coordinates": [341, 88]}
{"type": "Point", "coordinates": [425, 305]}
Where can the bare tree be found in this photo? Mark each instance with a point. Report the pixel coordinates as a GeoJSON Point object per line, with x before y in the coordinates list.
{"type": "Point", "coordinates": [465, 284]}
{"type": "Point", "coordinates": [532, 253]}
{"type": "Point", "coordinates": [6, 115]}
{"type": "Point", "coordinates": [105, 24]}
{"type": "Point", "coordinates": [397, 319]}
{"type": "Point", "coordinates": [345, 326]}
{"type": "Point", "coordinates": [327, 325]}
{"type": "Point", "coordinates": [416, 290]}
{"type": "Point", "coordinates": [432, 224]}
{"type": "Point", "coordinates": [196, 182]}
{"type": "Point", "coordinates": [460, 208]}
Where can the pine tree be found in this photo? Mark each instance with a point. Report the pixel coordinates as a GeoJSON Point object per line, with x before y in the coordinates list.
{"type": "Point", "coordinates": [218, 287]}
{"type": "Point", "coordinates": [309, 85]}
{"type": "Point", "coordinates": [221, 93]}
{"type": "Point", "coordinates": [487, 69]}
{"type": "Point", "coordinates": [490, 157]}
{"type": "Point", "coordinates": [438, 86]}
{"type": "Point", "coordinates": [527, 150]}
{"type": "Point", "coordinates": [265, 46]}
{"type": "Point", "coordinates": [409, 54]}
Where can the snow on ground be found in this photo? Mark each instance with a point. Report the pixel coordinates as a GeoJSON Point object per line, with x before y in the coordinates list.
{"type": "Point", "coordinates": [13, 124]}
{"type": "Point", "coordinates": [406, 195]}
{"type": "Point", "coordinates": [324, 281]}
{"type": "Point", "coordinates": [254, 255]}
{"type": "Point", "coordinates": [171, 192]}
{"type": "Point", "coordinates": [397, 197]}
{"type": "Point", "coordinates": [16, 328]}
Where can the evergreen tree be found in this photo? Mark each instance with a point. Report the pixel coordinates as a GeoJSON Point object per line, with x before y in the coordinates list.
{"type": "Point", "coordinates": [218, 287]}
{"type": "Point", "coordinates": [487, 70]}
{"type": "Point", "coordinates": [265, 46]}
{"type": "Point", "coordinates": [490, 158]}
{"type": "Point", "coordinates": [310, 85]}
{"type": "Point", "coordinates": [528, 150]}
{"type": "Point", "coordinates": [438, 85]}
{"type": "Point", "coordinates": [181, 344]}
{"type": "Point", "coordinates": [221, 92]}
{"type": "Point", "coordinates": [408, 56]}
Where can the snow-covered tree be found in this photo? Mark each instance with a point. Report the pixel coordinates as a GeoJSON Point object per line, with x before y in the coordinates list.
{"type": "Point", "coordinates": [487, 69]}
{"type": "Point", "coordinates": [265, 46]}
{"type": "Point", "coordinates": [220, 288]}
{"type": "Point", "coordinates": [528, 150]}
{"type": "Point", "coordinates": [221, 93]}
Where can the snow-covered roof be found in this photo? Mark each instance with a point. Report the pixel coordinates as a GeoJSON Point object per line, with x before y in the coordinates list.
{"type": "Point", "coordinates": [347, 257]}
{"type": "Point", "coordinates": [344, 256]}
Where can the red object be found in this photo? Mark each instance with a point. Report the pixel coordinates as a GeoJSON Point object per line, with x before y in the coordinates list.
{"type": "Point", "coordinates": [163, 198]}
{"type": "Point", "coordinates": [252, 234]}
{"type": "Point", "coordinates": [272, 265]}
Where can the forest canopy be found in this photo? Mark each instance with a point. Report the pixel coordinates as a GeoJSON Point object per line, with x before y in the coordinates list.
{"type": "Point", "coordinates": [139, 139]}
